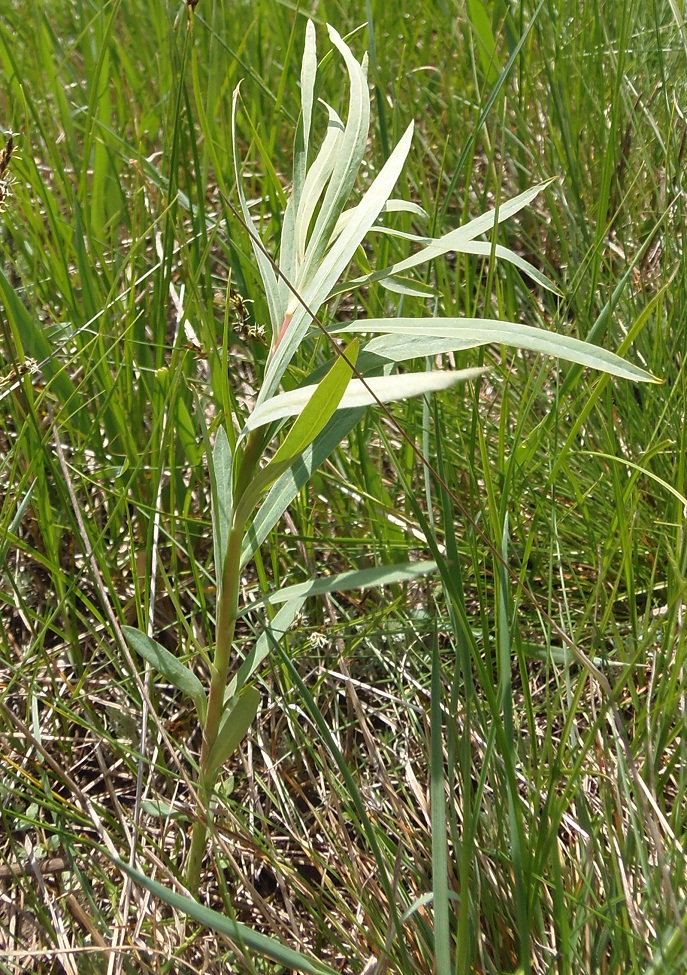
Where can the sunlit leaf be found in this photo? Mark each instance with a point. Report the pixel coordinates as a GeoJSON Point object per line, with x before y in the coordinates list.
{"type": "Point", "coordinates": [458, 239]}
{"type": "Point", "coordinates": [485, 331]}
{"type": "Point", "coordinates": [233, 728]}
{"type": "Point", "coordinates": [382, 575]}
{"type": "Point", "coordinates": [315, 290]}
{"type": "Point", "coordinates": [379, 389]}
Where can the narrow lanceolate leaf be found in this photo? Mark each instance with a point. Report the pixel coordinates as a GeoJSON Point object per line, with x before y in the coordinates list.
{"type": "Point", "coordinates": [458, 239]}
{"type": "Point", "coordinates": [404, 206]}
{"type": "Point", "coordinates": [316, 290]}
{"type": "Point", "coordinates": [321, 406]}
{"type": "Point", "coordinates": [485, 331]}
{"type": "Point", "coordinates": [169, 666]}
{"type": "Point", "coordinates": [240, 934]}
{"type": "Point", "coordinates": [380, 389]}
{"type": "Point", "coordinates": [484, 248]}
{"type": "Point", "coordinates": [316, 181]}
{"type": "Point", "coordinates": [406, 286]}
{"type": "Point", "coordinates": [308, 73]}
{"type": "Point", "coordinates": [358, 223]}
{"type": "Point", "coordinates": [221, 498]}
{"type": "Point", "coordinates": [400, 348]}
{"type": "Point", "coordinates": [315, 416]}
{"type": "Point", "coordinates": [348, 162]}
{"type": "Point", "coordinates": [383, 575]}
{"type": "Point", "coordinates": [271, 636]}
{"type": "Point", "coordinates": [236, 721]}
{"type": "Point", "coordinates": [285, 489]}
{"type": "Point", "coordinates": [288, 260]}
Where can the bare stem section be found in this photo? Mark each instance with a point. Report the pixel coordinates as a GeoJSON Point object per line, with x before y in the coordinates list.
{"type": "Point", "coordinates": [226, 623]}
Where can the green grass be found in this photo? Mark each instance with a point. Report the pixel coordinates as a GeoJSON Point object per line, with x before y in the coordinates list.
{"type": "Point", "coordinates": [506, 736]}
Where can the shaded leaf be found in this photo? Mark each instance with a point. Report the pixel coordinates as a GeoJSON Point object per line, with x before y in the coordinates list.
{"type": "Point", "coordinates": [168, 665]}
{"type": "Point", "coordinates": [236, 721]}
{"type": "Point", "coordinates": [378, 389]}
{"type": "Point", "coordinates": [270, 637]}
{"type": "Point", "coordinates": [285, 489]}
{"type": "Point", "coordinates": [164, 810]}
{"type": "Point", "coordinates": [30, 340]}
{"type": "Point", "coordinates": [313, 419]}
{"type": "Point", "coordinates": [486, 46]}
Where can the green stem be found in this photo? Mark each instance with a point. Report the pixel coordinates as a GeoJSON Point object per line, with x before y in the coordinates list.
{"type": "Point", "coordinates": [224, 636]}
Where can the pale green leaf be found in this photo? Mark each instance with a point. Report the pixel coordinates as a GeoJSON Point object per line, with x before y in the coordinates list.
{"type": "Point", "coordinates": [240, 934]}
{"type": "Point", "coordinates": [285, 489]}
{"type": "Point", "coordinates": [335, 262]}
{"type": "Point", "coordinates": [164, 810]}
{"type": "Point", "coordinates": [457, 240]}
{"type": "Point", "coordinates": [404, 206]}
{"type": "Point", "coordinates": [221, 498]}
{"type": "Point", "coordinates": [236, 721]}
{"type": "Point", "coordinates": [270, 637]}
{"type": "Point", "coordinates": [402, 234]}
{"type": "Point", "coordinates": [169, 666]}
{"type": "Point", "coordinates": [308, 74]}
{"type": "Point", "coordinates": [379, 389]}
{"type": "Point", "coordinates": [485, 331]}
{"type": "Point", "coordinates": [348, 160]}
{"type": "Point", "coordinates": [484, 248]}
{"type": "Point", "coordinates": [316, 180]}
{"type": "Point", "coordinates": [383, 575]}
{"type": "Point", "coordinates": [407, 286]}
{"type": "Point", "coordinates": [400, 348]}
{"type": "Point", "coordinates": [288, 260]}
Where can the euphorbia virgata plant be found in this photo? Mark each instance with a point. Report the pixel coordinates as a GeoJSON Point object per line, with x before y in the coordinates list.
{"type": "Point", "coordinates": [257, 470]}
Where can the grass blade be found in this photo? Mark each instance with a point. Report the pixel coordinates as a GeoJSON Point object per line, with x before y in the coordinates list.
{"type": "Point", "coordinates": [242, 935]}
